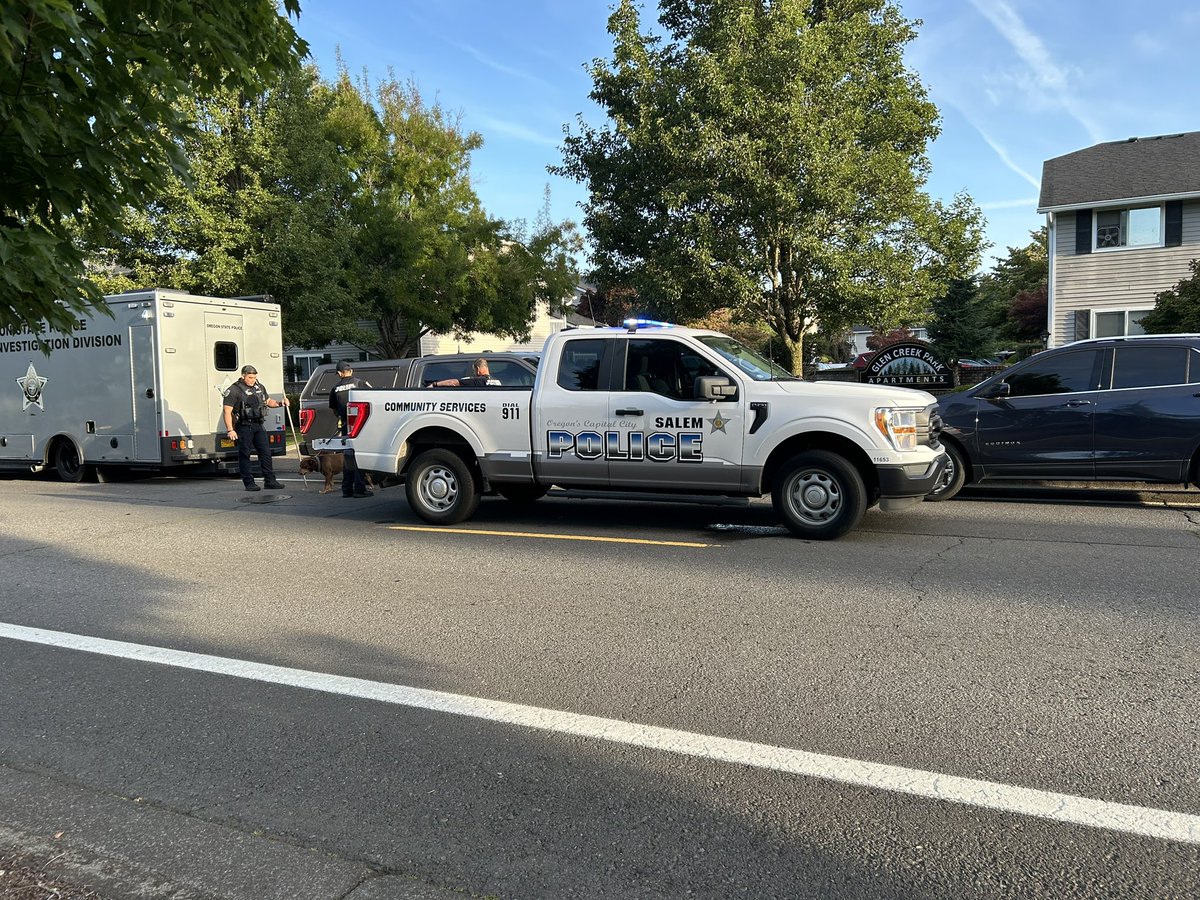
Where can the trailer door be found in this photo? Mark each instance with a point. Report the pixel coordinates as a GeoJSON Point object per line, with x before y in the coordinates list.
{"type": "Point", "coordinates": [146, 444]}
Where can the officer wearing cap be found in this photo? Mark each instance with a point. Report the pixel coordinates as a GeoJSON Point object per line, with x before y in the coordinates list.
{"type": "Point", "coordinates": [244, 410]}
{"type": "Point", "coordinates": [354, 482]}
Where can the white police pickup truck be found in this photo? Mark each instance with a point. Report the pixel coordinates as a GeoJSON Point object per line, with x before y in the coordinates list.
{"type": "Point", "coordinates": [654, 408]}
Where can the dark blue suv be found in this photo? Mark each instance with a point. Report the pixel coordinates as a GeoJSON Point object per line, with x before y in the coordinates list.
{"type": "Point", "coordinates": [1109, 409]}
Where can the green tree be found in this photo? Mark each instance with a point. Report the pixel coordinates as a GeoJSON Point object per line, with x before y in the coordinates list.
{"type": "Point", "coordinates": [92, 122]}
{"type": "Point", "coordinates": [1022, 270]}
{"type": "Point", "coordinates": [769, 157]}
{"type": "Point", "coordinates": [353, 207]}
{"type": "Point", "coordinates": [958, 323]}
{"type": "Point", "coordinates": [426, 257]}
{"type": "Point", "coordinates": [1177, 311]}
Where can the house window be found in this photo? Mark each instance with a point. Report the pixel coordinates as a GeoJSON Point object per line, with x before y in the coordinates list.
{"type": "Point", "coordinates": [1141, 227]}
{"type": "Point", "coordinates": [1118, 323]}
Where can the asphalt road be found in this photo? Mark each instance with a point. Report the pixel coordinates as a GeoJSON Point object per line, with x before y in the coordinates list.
{"type": "Point", "coordinates": [597, 698]}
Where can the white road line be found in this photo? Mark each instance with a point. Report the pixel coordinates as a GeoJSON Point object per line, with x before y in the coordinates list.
{"type": "Point", "coordinates": [1153, 823]}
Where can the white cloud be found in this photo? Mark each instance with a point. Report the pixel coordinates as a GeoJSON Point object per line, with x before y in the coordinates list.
{"type": "Point", "coordinates": [500, 67]}
{"type": "Point", "coordinates": [1050, 78]}
{"type": "Point", "coordinates": [515, 130]}
{"type": "Point", "coordinates": [1024, 203]}
{"type": "Point", "coordinates": [1148, 45]}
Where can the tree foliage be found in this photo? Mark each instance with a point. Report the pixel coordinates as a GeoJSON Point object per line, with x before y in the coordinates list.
{"type": "Point", "coordinates": [770, 158]}
{"type": "Point", "coordinates": [1028, 313]}
{"type": "Point", "coordinates": [894, 336]}
{"type": "Point", "coordinates": [352, 205]}
{"type": "Point", "coordinates": [1022, 271]}
{"type": "Point", "coordinates": [958, 323]}
{"type": "Point", "coordinates": [1177, 311]}
{"type": "Point", "coordinates": [93, 120]}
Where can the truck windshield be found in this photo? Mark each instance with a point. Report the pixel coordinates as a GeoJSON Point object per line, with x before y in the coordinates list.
{"type": "Point", "coordinates": [757, 367]}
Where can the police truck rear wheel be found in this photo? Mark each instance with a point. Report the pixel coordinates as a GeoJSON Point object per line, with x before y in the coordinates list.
{"type": "Point", "coordinates": [819, 495]}
{"type": "Point", "coordinates": [441, 488]}
{"type": "Point", "coordinates": [67, 464]}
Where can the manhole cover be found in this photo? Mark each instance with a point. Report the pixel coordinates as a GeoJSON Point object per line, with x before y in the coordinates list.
{"type": "Point", "coordinates": [266, 498]}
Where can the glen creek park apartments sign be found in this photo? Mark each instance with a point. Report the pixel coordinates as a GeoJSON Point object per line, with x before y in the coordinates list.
{"type": "Point", "coordinates": [909, 364]}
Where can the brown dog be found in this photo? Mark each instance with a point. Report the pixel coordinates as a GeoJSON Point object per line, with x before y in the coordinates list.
{"type": "Point", "coordinates": [329, 463]}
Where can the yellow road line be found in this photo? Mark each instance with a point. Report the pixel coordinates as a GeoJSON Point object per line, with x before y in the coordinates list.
{"type": "Point", "coordinates": [549, 537]}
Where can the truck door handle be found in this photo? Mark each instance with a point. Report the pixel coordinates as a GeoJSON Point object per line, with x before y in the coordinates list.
{"type": "Point", "coordinates": [150, 393]}
{"type": "Point", "coordinates": [1079, 403]}
{"type": "Point", "coordinates": [631, 412]}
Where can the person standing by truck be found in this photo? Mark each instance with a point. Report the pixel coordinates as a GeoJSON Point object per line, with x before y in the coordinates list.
{"type": "Point", "coordinates": [244, 409]}
{"type": "Point", "coordinates": [482, 377]}
{"type": "Point", "coordinates": [354, 483]}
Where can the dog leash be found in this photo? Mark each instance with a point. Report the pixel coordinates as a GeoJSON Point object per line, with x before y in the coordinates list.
{"type": "Point", "coordinates": [296, 438]}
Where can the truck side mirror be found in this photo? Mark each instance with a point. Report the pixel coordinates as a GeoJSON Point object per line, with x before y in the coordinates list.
{"type": "Point", "coordinates": [715, 387]}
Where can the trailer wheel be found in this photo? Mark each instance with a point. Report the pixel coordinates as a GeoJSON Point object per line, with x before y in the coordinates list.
{"type": "Point", "coordinates": [441, 488]}
{"type": "Point", "coordinates": [819, 495]}
{"type": "Point", "coordinates": [521, 494]}
{"type": "Point", "coordinates": [67, 464]}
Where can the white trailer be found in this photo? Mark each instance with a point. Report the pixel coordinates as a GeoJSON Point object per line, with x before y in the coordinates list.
{"type": "Point", "coordinates": [141, 390]}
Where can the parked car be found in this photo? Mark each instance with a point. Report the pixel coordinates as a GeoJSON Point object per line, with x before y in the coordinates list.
{"type": "Point", "coordinates": [1107, 409]}
{"type": "Point", "coordinates": [317, 420]}
{"type": "Point", "coordinates": [863, 359]}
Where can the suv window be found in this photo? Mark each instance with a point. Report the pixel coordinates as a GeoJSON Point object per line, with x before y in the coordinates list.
{"type": "Point", "coordinates": [1136, 367]}
{"type": "Point", "coordinates": [579, 365]}
{"type": "Point", "coordinates": [1065, 373]}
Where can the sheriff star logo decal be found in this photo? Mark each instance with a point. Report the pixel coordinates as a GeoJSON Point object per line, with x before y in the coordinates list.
{"type": "Point", "coordinates": [31, 388]}
{"type": "Point", "coordinates": [718, 424]}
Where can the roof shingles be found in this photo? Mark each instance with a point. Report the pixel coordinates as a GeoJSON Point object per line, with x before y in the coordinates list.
{"type": "Point", "coordinates": [1123, 170]}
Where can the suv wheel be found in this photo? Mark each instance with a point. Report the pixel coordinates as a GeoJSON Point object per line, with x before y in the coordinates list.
{"type": "Point", "coordinates": [953, 477]}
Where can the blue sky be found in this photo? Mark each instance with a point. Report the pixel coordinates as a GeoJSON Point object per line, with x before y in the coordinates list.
{"type": "Point", "coordinates": [1017, 82]}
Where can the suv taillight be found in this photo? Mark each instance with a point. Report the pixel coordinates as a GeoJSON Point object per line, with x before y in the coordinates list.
{"type": "Point", "coordinates": [357, 414]}
{"type": "Point", "coordinates": [306, 419]}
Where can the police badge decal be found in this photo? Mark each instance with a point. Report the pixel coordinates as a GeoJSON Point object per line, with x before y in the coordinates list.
{"type": "Point", "coordinates": [31, 388]}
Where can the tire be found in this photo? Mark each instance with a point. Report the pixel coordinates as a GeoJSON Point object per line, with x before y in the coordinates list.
{"type": "Point", "coordinates": [953, 478]}
{"type": "Point", "coordinates": [441, 488]}
{"type": "Point", "coordinates": [819, 495]}
{"type": "Point", "coordinates": [67, 464]}
{"type": "Point", "coordinates": [521, 494]}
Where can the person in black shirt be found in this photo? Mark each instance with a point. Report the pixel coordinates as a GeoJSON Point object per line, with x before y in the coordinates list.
{"type": "Point", "coordinates": [244, 410]}
{"type": "Point", "coordinates": [481, 378]}
{"type": "Point", "coordinates": [354, 483]}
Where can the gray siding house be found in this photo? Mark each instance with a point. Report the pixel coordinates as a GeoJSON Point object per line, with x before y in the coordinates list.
{"type": "Point", "coordinates": [1124, 223]}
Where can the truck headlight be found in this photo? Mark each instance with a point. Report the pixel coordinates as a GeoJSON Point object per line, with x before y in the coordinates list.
{"type": "Point", "coordinates": [899, 426]}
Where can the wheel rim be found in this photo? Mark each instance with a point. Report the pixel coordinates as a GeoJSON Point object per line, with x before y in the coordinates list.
{"type": "Point", "coordinates": [948, 474]}
{"type": "Point", "coordinates": [438, 488]}
{"type": "Point", "coordinates": [814, 497]}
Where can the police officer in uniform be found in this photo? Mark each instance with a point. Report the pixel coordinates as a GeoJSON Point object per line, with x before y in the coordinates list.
{"type": "Point", "coordinates": [244, 409]}
{"type": "Point", "coordinates": [354, 483]}
{"type": "Point", "coordinates": [481, 377]}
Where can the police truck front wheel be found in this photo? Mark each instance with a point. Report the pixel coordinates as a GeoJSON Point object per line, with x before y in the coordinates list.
{"type": "Point", "coordinates": [441, 488]}
{"type": "Point", "coordinates": [819, 495]}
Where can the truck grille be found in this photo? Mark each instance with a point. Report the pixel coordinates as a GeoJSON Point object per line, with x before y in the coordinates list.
{"type": "Point", "coordinates": [929, 426]}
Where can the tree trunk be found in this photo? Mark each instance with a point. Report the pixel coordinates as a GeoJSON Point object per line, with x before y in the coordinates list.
{"type": "Point", "coordinates": [794, 352]}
